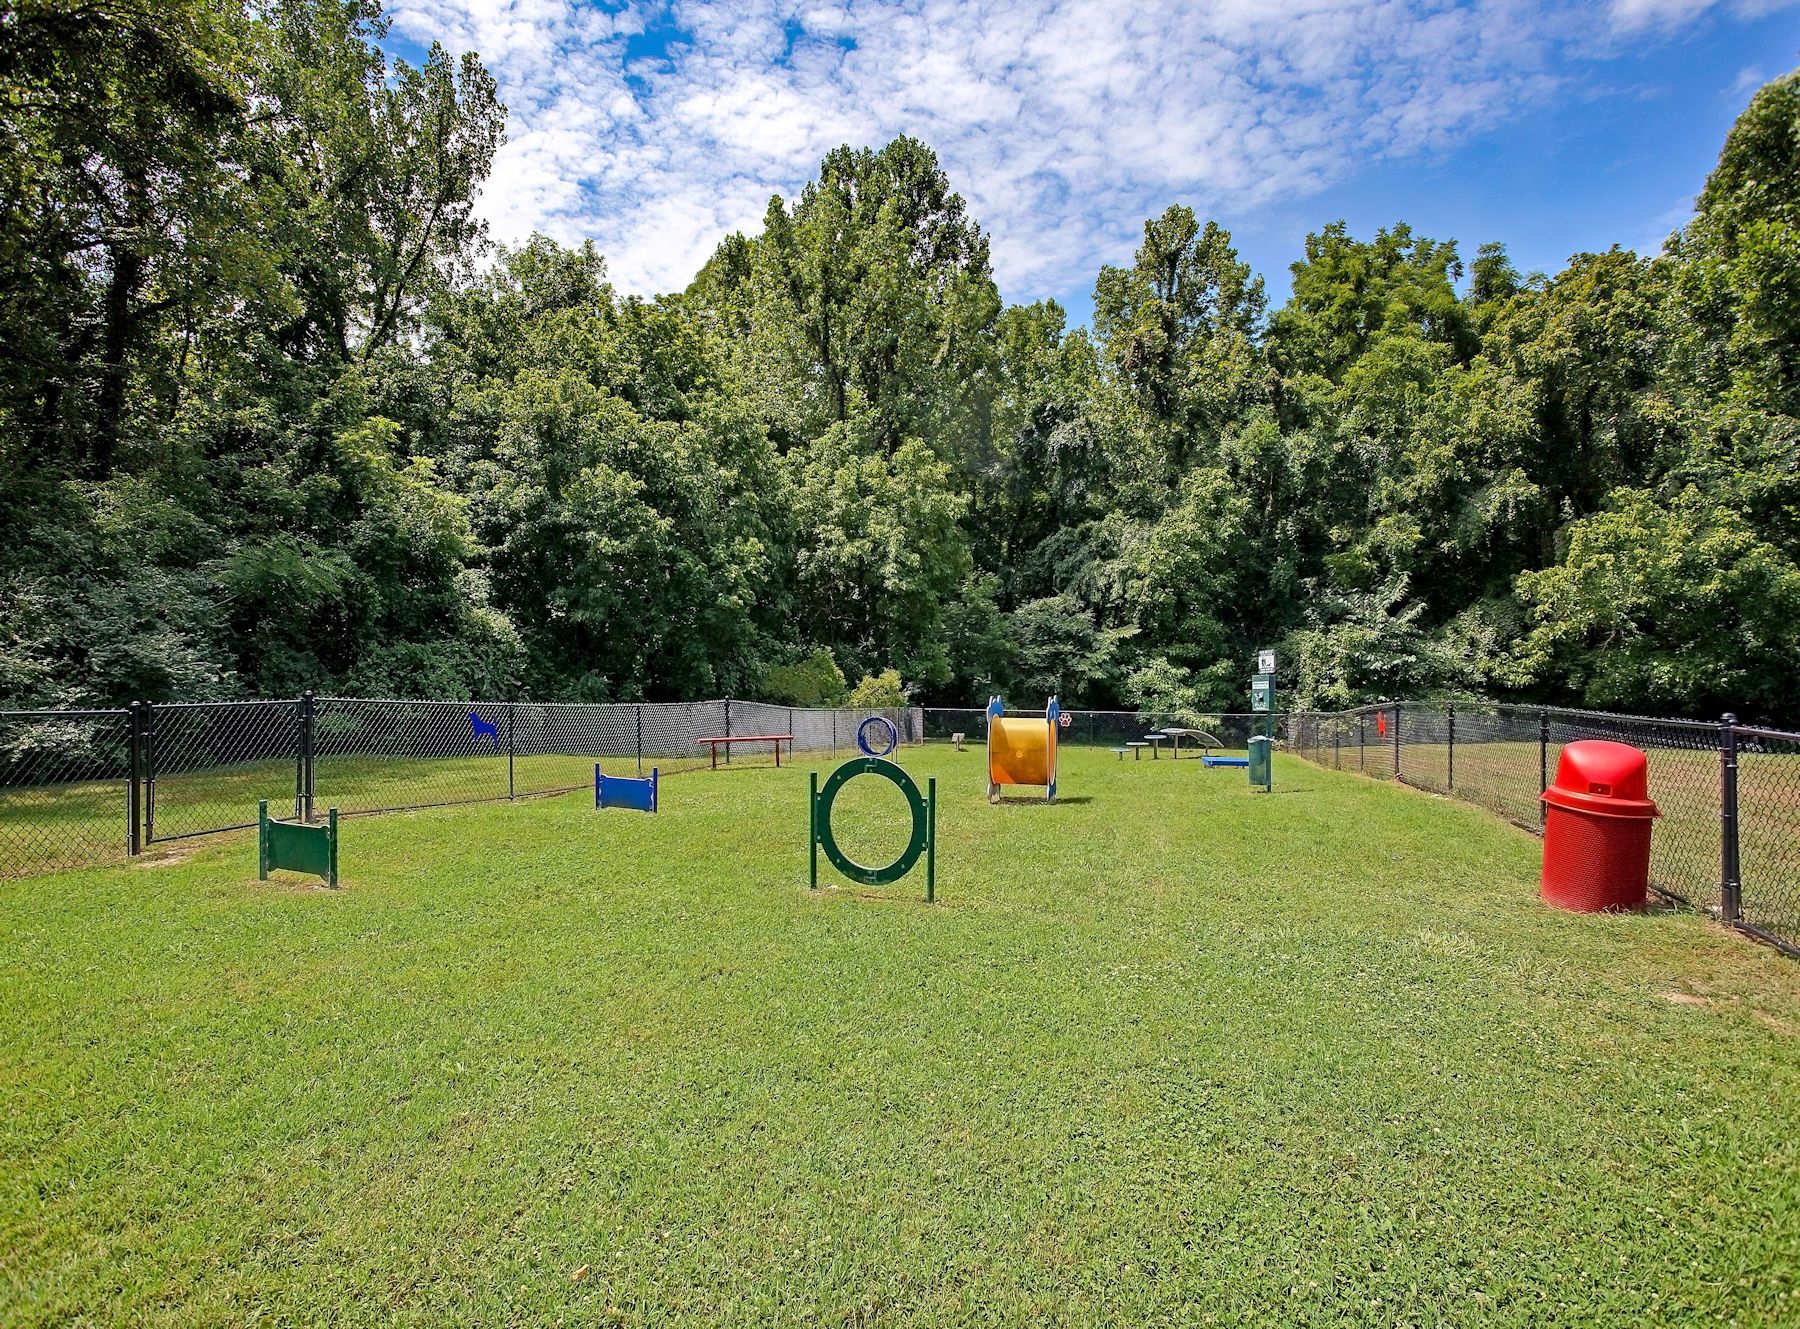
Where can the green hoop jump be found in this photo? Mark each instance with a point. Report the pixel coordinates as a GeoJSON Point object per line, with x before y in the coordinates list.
{"type": "Point", "coordinates": [924, 826]}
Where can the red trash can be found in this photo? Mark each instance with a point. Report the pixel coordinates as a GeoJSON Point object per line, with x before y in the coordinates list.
{"type": "Point", "coordinates": [1597, 819]}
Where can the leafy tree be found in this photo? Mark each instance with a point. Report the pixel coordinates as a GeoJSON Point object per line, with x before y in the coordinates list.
{"type": "Point", "coordinates": [1346, 292]}
{"type": "Point", "coordinates": [880, 553]}
{"type": "Point", "coordinates": [879, 690]}
{"type": "Point", "coordinates": [872, 296]}
{"type": "Point", "coordinates": [1181, 326]}
{"type": "Point", "coordinates": [814, 680]}
{"type": "Point", "coordinates": [1662, 606]}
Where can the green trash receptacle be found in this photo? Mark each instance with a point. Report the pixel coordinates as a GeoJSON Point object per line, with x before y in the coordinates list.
{"type": "Point", "coordinates": [1260, 772]}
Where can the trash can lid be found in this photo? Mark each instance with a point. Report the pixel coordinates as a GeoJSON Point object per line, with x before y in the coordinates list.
{"type": "Point", "coordinates": [1603, 778]}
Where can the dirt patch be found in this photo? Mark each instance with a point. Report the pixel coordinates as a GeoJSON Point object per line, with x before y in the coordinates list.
{"type": "Point", "coordinates": [1685, 999]}
{"type": "Point", "coordinates": [1779, 1025]}
{"type": "Point", "coordinates": [292, 883]}
{"type": "Point", "coordinates": [165, 858]}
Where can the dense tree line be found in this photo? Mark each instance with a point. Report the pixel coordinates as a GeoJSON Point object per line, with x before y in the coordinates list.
{"type": "Point", "coordinates": [273, 415]}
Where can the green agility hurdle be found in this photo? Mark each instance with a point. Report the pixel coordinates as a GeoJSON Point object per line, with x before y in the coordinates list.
{"type": "Point", "coordinates": [296, 846]}
{"type": "Point", "coordinates": [924, 826]}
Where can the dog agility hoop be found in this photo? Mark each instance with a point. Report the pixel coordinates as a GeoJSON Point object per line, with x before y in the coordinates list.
{"type": "Point", "coordinates": [924, 826]}
{"type": "Point", "coordinates": [886, 734]}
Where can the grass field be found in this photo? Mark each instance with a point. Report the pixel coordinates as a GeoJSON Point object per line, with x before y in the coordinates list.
{"type": "Point", "coordinates": [1168, 1052]}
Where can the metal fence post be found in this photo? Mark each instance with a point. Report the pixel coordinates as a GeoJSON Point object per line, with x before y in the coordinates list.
{"type": "Point", "coordinates": [1543, 761]}
{"type": "Point", "coordinates": [149, 773]}
{"type": "Point", "coordinates": [134, 741]}
{"type": "Point", "coordinates": [511, 748]}
{"type": "Point", "coordinates": [1731, 886]}
{"type": "Point", "coordinates": [1396, 740]}
{"type": "Point", "coordinates": [1361, 742]}
{"type": "Point", "coordinates": [640, 739]}
{"type": "Point", "coordinates": [728, 746]}
{"type": "Point", "coordinates": [304, 804]}
{"type": "Point", "coordinates": [1450, 758]}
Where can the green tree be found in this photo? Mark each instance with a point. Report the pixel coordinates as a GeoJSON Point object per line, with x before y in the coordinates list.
{"type": "Point", "coordinates": [1181, 326]}
{"type": "Point", "coordinates": [1667, 606]}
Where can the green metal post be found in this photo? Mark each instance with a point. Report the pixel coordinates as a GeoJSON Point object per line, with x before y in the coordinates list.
{"type": "Point", "coordinates": [931, 840]}
{"type": "Point", "coordinates": [262, 840]}
{"type": "Point", "coordinates": [331, 876]}
{"type": "Point", "coordinates": [812, 828]}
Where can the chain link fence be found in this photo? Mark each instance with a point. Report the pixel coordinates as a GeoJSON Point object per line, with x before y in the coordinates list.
{"type": "Point", "coordinates": [88, 787]}
{"type": "Point", "coordinates": [1114, 730]}
{"type": "Point", "coordinates": [1728, 840]}
{"type": "Point", "coordinates": [93, 786]}
{"type": "Point", "coordinates": [66, 789]}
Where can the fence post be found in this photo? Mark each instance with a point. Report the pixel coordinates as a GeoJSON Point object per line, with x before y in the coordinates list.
{"type": "Point", "coordinates": [1450, 758]}
{"type": "Point", "coordinates": [640, 739]}
{"type": "Point", "coordinates": [304, 804]}
{"type": "Point", "coordinates": [1731, 886]}
{"type": "Point", "coordinates": [1362, 742]}
{"type": "Point", "coordinates": [727, 730]}
{"type": "Point", "coordinates": [1396, 740]}
{"type": "Point", "coordinates": [149, 773]}
{"type": "Point", "coordinates": [834, 716]}
{"type": "Point", "coordinates": [134, 731]}
{"type": "Point", "coordinates": [511, 748]}
{"type": "Point", "coordinates": [1543, 761]}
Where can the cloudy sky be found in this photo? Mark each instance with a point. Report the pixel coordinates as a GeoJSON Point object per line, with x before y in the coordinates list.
{"type": "Point", "coordinates": [657, 128]}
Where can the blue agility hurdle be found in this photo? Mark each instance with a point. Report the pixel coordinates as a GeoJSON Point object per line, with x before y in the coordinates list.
{"type": "Point", "coordinates": [1211, 760]}
{"type": "Point", "coordinates": [619, 791]}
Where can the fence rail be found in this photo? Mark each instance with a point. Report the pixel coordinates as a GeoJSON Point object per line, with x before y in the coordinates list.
{"type": "Point", "coordinates": [1728, 840]}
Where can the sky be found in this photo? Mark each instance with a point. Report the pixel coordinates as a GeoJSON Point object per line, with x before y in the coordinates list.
{"type": "Point", "coordinates": [656, 129]}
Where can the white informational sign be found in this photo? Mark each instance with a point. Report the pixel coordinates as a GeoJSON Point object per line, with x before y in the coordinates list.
{"type": "Point", "coordinates": [1265, 662]}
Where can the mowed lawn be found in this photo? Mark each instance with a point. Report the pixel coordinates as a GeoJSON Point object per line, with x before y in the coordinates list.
{"type": "Point", "coordinates": [1168, 1052]}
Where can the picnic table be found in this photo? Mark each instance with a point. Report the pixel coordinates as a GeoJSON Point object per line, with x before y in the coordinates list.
{"type": "Point", "coordinates": [729, 739]}
{"type": "Point", "coordinates": [1155, 740]}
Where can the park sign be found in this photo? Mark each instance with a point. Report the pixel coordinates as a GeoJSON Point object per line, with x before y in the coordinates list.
{"type": "Point", "coordinates": [1265, 662]}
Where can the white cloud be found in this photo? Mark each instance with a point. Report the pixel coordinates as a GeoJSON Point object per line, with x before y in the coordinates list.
{"type": "Point", "coordinates": [1063, 124]}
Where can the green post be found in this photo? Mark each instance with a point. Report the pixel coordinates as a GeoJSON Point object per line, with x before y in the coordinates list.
{"type": "Point", "coordinates": [262, 840]}
{"type": "Point", "coordinates": [331, 876]}
{"type": "Point", "coordinates": [812, 828]}
{"type": "Point", "coordinates": [931, 840]}
{"type": "Point", "coordinates": [1262, 702]}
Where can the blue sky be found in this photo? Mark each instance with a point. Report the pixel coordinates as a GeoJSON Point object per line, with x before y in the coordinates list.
{"type": "Point", "coordinates": [657, 128]}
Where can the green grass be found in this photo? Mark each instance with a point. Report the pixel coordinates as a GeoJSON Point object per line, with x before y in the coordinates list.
{"type": "Point", "coordinates": [1168, 1052]}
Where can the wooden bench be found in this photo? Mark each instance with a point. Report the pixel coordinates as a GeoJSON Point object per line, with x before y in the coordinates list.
{"type": "Point", "coordinates": [729, 739]}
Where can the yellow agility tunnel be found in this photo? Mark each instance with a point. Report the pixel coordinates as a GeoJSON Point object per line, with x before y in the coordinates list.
{"type": "Point", "coordinates": [1021, 750]}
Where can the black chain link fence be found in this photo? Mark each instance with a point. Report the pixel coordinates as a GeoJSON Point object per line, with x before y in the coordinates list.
{"type": "Point", "coordinates": [66, 789]}
{"type": "Point", "coordinates": [90, 787]}
{"type": "Point", "coordinates": [70, 794]}
{"type": "Point", "coordinates": [1133, 734]}
{"type": "Point", "coordinates": [207, 764]}
{"type": "Point", "coordinates": [1768, 832]}
{"type": "Point", "coordinates": [1728, 840]}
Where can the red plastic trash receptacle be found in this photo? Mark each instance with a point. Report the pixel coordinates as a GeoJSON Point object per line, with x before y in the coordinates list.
{"type": "Point", "coordinates": [1597, 820]}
